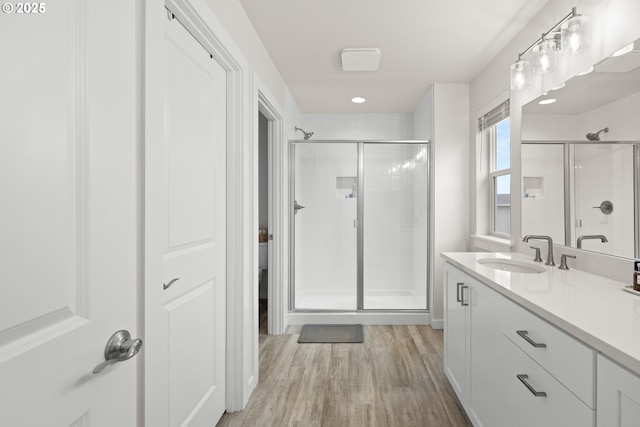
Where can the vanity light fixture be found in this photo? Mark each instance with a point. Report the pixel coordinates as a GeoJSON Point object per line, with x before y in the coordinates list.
{"type": "Point", "coordinates": [543, 57]}
{"type": "Point", "coordinates": [520, 74]}
{"type": "Point", "coordinates": [569, 35]}
{"type": "Point", "coordinates": [358, 100]}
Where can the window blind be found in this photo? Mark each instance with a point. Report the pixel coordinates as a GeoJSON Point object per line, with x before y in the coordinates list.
{"type": "Point", "coordinates": [494, 116]}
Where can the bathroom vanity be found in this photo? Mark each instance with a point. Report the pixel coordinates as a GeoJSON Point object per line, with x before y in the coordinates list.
{"type": "Point", "coordinates": [532, 345]}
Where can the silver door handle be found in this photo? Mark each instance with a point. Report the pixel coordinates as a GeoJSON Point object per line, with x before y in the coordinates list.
{"type": "Point", "coordinates": [119, 348]}
{"type": "Point", "coordinates": [165, 286]}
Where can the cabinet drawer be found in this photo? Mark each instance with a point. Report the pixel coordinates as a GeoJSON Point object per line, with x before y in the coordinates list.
{"type": "Point", "coordinates": [566, 358]}
{"type": "Point", "coordinates": [559, 407]}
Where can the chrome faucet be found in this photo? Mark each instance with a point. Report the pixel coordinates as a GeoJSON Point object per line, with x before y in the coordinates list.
{"type": "Point", "coordinates": [549, 241]}
{"type": "Point", "coordinates": [602, 238]}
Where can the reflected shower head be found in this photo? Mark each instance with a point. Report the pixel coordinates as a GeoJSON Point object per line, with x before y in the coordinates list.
{"type": "Point", "coordinates": [307, 135]}
{"type": "Point", "coordinates": [596, 136]}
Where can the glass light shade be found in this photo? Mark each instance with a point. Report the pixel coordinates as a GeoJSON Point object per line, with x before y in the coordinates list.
{"type": "Point", "coordinates": [520, 74]}
{"type": "Point", "coordinates": [543, 57]}
{"type": "Point", "coordinates": [575, 34]}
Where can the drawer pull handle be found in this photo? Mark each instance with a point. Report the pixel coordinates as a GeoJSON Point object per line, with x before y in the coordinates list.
{"type": "Point", "coordinates": [523, 378]}
{"type": "Point", "coordinates": [524, 335]}
{"type": "Point", "coordinates": [462, 302]}
{"type": "Point", "coordinates": [458, 297]}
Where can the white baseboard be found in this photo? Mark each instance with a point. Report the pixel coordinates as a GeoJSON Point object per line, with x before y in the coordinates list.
{"type": "Point", "coordinates": [375, 318]}
{"type": "Point", "coordinates": [437, 323]}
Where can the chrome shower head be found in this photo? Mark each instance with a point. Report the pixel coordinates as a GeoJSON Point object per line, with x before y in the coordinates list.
{"type": "Point", "coordinates": [307, 135]}
{"type": "Point", "coordinates": [596, 136]}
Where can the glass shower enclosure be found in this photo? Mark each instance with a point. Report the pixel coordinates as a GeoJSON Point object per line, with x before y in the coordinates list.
{"type": "Point", "coordinates": [359, 225]}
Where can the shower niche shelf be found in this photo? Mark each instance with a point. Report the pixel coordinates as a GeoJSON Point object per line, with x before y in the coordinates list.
{"type": "Point", "coordinates": [346, 187]}
{"type": "Point", "coordinates": [533, 187]}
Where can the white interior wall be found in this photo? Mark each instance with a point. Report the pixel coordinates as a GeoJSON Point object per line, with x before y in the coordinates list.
{"type": "Point", "coordinates": [450, 183]}
{"type": "Point", "coordinates": [371, 126]}
{"type": "Point", "coordinates": [235, 21]}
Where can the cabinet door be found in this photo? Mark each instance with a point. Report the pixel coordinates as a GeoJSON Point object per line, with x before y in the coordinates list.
{"type": "Point", "coordinates": [618, 395]}
{"type": "Point", "coordinates": [456, 342]}
{"type": "Point", "coordinates": [485, 336]}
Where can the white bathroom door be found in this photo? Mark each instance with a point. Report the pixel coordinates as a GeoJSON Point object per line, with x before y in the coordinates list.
{"type": "Point", "coordinates": [186, 239]}
{"type": "Point", "coordinates": [68, 211]}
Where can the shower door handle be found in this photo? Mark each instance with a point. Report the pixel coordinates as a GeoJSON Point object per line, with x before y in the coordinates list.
{"type": "Point", "coordinates": [296, 207]}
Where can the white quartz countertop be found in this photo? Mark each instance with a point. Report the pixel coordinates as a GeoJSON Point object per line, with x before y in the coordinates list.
{"type": "Point", "coordinates": [592, 308]}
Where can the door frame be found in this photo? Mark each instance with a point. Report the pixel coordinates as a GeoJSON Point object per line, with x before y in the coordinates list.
{"type": "Point", "coordinates": [199, 20]}
{"type": "Point", "coordinates": [265, 103]}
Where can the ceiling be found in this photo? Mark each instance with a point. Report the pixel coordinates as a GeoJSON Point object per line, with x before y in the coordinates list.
{"type": "Point", "coordinates": [422, 42]}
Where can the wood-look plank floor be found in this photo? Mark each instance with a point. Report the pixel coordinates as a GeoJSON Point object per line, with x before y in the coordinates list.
{"type": "Point", "coordinates": [395, 378]}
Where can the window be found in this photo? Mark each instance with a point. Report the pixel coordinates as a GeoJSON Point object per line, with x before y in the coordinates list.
{"type": "Point", "coordinates": [495, 128]}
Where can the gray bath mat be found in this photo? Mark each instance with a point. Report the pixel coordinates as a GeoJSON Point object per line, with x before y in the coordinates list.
{"type": "Point", "coordinates": [331, 334]}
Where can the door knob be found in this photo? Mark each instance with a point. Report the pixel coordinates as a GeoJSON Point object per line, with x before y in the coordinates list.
{"type": "Point", "coordinates": [120, 347]}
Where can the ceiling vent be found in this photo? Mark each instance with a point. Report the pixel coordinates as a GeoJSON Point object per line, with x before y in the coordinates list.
{"type": "Point", "coordinates": [360, 59]}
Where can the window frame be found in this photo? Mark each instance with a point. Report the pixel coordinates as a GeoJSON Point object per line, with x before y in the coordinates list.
{"type": "Point", "coordinates": [488, 124]}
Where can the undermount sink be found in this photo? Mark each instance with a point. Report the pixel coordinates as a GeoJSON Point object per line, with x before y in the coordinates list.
{"type": "Point", "coordinates": [511, 265]}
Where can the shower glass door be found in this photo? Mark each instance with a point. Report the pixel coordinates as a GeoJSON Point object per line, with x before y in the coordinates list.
{"type": "Point", "coordinates": [360, 217]}
{"type": "Point", "coordinates": [604, 175]}
{"type": "Point", "coordinates": [325, 251]}
{"type": "Point", "coordinates": [395, 220]}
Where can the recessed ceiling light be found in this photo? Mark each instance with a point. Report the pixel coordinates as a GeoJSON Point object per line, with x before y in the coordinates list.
{"type": "Point", "coordinates": [358, 100]}
{"type": "Point", "coordinates": [547, 101]}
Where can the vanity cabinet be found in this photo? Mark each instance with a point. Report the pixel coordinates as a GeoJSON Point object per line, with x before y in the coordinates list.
{"type": "Point", "coordinates": [508, 366]}
{"type": "Point", "coordinates": [472, 345]}
{"type": "Point", "coordinates": [456, 334]}
{"type": "Point", "coordinates": [618, 395]}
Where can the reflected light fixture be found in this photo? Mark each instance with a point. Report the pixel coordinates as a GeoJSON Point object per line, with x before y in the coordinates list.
{"type": "Point", "coordinates": [585, 71]}
{"type": "Point", "coordinates": [568, 35]}
{"type": "Point", "coordinates": [628, 48]}
{"type": "Point", "coordinates": [358, 100]}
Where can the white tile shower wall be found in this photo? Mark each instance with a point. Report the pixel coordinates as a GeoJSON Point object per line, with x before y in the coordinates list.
{"type": "Point", "coordinates": [605, 172]}
{"type": "Point", "coordinates": [543, 207]}
{"type": "Point", "coordinates": [362, 126]}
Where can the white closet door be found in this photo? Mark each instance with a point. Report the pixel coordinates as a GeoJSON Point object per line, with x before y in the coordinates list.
{"type": "Point", "coordinates": [185, 218]}
{"type": "Point", "coordinates": [68, 213]}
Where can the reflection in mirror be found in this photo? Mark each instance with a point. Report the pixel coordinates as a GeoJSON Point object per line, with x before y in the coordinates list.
{"type": "Point", "coordinates": [579, 154]}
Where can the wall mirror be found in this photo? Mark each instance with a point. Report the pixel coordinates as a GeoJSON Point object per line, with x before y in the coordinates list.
{"type": "Point", "coordinates": [581, 159]}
